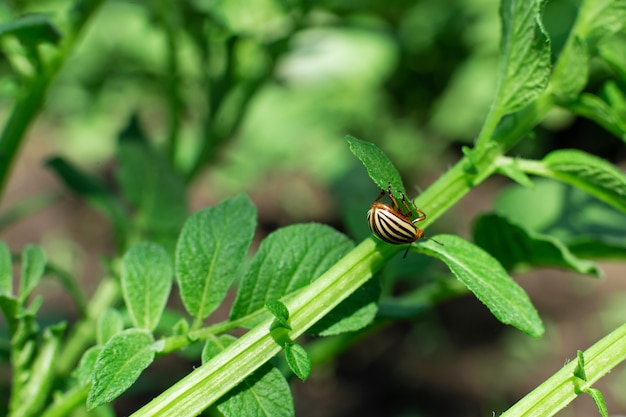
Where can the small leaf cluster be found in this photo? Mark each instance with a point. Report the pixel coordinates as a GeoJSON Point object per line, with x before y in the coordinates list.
{"type": "Point", "coordinates": [210, 254]}
{"type": "Point", "coordinates": [32, 351]}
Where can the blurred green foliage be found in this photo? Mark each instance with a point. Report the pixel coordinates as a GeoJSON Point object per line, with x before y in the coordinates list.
{"type": "Point", "coordinates": [392, 74]}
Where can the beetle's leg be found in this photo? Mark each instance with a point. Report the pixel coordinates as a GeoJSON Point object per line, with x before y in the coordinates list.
{"type": "Point", "coordinates": [393, 199]}
{"type": "Point", "coordinates": [395, 203]}
{"type": "Point", "coordinates": [381, 195]}
{"type": "Point", "coordinates": [409, 213]}
{"type": "Point", "coordinates": [420, 215]}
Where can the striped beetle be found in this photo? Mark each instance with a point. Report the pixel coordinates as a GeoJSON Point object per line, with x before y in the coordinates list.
{"type": "Point", "coordinates": [391, 225]}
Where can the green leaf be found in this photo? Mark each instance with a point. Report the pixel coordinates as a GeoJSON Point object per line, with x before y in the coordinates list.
{"type": "Point", "coordinates": [597, 20]}
{"type": "Point", "coordinates": [10, 307]}
{"type": "Point", "coordinates": [579, 371]}
{"type": "Point", "coordinates": [76, 180]}
{"type": "Point", "coordinates": [595, 249]}
{"type": "Point", "coordinates": [572, 69]}
{"type": "Point", "coordinates": [83, 373]}
{"type": "Point", "coordinates": [592, 174]}
{"type": "Point", "coordinates": [119, 364]}
{"type": "Point", "coordinates": [594, 108]}
{"type": "Point", "coordinates": [488, 280]}
{"type": "Point", "coordinates": [288, 259]}
{"type": "Point", "coordinates": [154, 189]}
{"type": "Point", "coordinates": [32, 30]}
{"type": "Point", "coordinates": [146, 277]}
{"type": "Point", "coordinates": [598, 398]}
{"type": "Point", "coordinates": [280, 313]}
{"type": "Point", "coordinates": [109, 324]}
{"type": "Point", "coordinates": [611, 50]}
{"type": "Point", "coordinates": [94, 191]}
{"type": "Point", "coordinates": [524, 55]}
{"type": "Point", "coordinates": [33, 267]}
{"type": "Point", "coordinates": [34, 393]}
{"type": "Point", "coordinates": [181, 327]}
{"type": "Point", "coordinates": [264, 393]}
{"type": "Point", "coordinates": [215, 345]}
{"type": "Point", "coordinates": [509, 168]}
{"type": "Point", "coordinates": [298, 360]}
{"type": "Point", "coordinates": [354, 313]}
{"type": "Point", "coordinates": [615, 96]}
{"type": "Point", "coordinates": [600, 18]}
{"type": "Point", "coordinates": [211, 248]}
{"type": "Point", "coordinates": [379, 167]}
{"type": "Point", "coordinates": [558, 209]}
{"type": "Point", "coordinates": [34, 306]}
{"type": "Point", "coordinates": [513, 246]}
{"type": "Point", "coordinates": [6, 270]}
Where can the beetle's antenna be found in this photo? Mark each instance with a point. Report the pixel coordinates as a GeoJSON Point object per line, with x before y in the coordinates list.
{"type": "Point", "coordinates": [423, 237]}
{"type": "Point", "coordinates": [430, 238]}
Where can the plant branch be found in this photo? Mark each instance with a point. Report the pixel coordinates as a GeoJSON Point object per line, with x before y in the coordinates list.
{"type": "Point", "coordinates": [563, 387]}
{"type": "Point", "coordinates": [33, 92]}
{"type": "Point", "coordinates": [83, 333]}
{"type": "Point", "coordinates": [213, 379]}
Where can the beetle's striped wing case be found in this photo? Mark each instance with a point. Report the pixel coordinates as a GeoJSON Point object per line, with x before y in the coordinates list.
{"type": "Point", "coordinates": [391, 226]}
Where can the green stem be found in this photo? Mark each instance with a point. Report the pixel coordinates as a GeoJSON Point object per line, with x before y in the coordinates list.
{"type": "Point", "coordinates": [84, 331]}
{"type": "Point", "coordinates": [493, 118]}
{"type": "Point", "coordinates": [528, 166]}
{"type": "Point", "coordinates": [563, 387]}
{"type": "Point", "coordinates": [68, 401]}
{"type": "Point", "coordinates": [171, 22]}
{"type": "Point", "coordinates": [33, 92]}
{"type": "Point", "coordinates": [175, 343]}
{"type": "Point", "coordinates": [474, 169]}
{"type": "Point", "coordinates": [35, 391]}
{"type": "Point", "coordinates": [24, 111]}
{"type": "Point", "coordinates": [71, 285]}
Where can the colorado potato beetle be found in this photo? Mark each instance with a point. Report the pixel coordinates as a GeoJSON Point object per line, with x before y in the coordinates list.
{"type": "Point", "coordinates": [391, 225]}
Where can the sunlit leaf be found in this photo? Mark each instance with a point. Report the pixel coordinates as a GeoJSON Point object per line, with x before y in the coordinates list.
{"type": "Point", "coordinates": [288, 259]}
{"type": "Point", "coordinates": [379, 167]}
{"type": "Point", "coordinates": [146, 277]}
{"type": "Point", "coordinates": [265, 393]}
{"type": "Point", "coordinates": [298, 360]}
{"type": "Point", "coordinates": [119, 364]}
{"type": "Point", "coordinates": [488, 280]}
{"type": "Point", "coordinates": [590, 173]}
{"type": "Point", "coordinates": [524, 55]}
{"type": "Point", "coordinates": [211, 248]}
{"type": "Point", "coordinates": [109, 324]}
{"type": "Point", "coordinates": [33, 267]}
